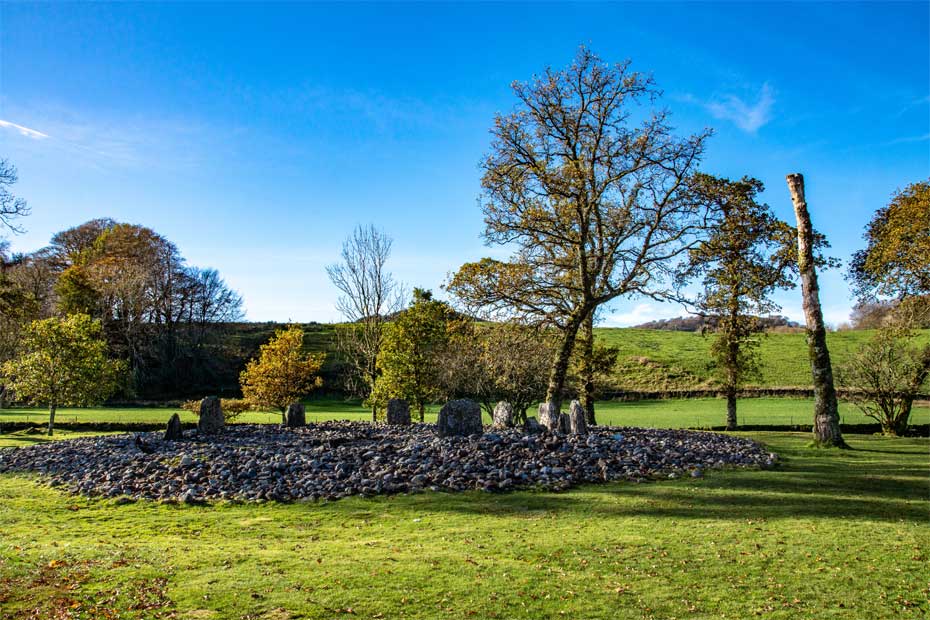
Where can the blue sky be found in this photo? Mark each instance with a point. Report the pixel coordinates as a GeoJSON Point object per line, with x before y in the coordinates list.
{"type": "Point", "coordinates": [256, 136]}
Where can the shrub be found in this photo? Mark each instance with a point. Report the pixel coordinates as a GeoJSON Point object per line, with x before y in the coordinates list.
{"type": "Point", "coordinates": [232, 407]}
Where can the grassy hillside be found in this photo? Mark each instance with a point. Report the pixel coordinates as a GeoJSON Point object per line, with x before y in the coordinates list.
{"type": "Point", "coordinates": [650, 360]}
{"type": "Point", "coordinates": [668, 360]}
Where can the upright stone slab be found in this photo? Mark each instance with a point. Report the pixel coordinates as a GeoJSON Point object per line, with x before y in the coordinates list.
{"type": "Point", "coordinates": [174, 431]}
{"type": "Point", "coordinates": [565, 424]}
{"type": "Point", "coordinates": [398, 412]}
{"type": "Point", "coordinates": [578, 419]}
{"type": "Point", "coordinates": [459, 418]}
{"type": "Point", "coordinates": [211, 416]}
{"type": "Point", "coordinates": [295, 415]}
{"type": "Point", "coordinates": [503, 415]}
{"type": "Point", "coordinates": [532, 426]}
{"type": "Point", "coordinates": [549, 417]}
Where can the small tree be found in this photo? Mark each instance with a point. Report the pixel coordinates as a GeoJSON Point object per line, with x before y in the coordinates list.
{"type": "Point", "coordinates": [498, 361]}
{"type": "Point", "coordinates": [369, 296]}
{"type": "Point", "coordinates": [281, 374]}
{"type": "Point", "coordinates": [747, 257]}
{"type": "Point", "coordinates": [412, 348]}
{"type": "Point", "coordinates": [63, 362]}
{"type": "Point", "coordinates": [885, 376]}
{"type": "Point", "coordinates": [893, 271]}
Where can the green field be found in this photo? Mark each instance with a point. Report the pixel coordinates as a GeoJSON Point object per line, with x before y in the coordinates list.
{"type": "Point", "coordinates": [671, 413]}
{"type": "Point", "coordinates": [829, 534]}
{"type": "Point", "coordinates": [656, 360]}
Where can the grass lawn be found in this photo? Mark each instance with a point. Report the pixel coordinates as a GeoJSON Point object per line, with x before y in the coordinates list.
{"type": "Point", "coordinates": [676, 413]}
{"type": "Point", "coordinates": [829, 534]}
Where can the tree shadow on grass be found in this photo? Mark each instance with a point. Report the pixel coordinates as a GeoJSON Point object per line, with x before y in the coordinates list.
{"type": "Point", "coordinates": [810, 483]}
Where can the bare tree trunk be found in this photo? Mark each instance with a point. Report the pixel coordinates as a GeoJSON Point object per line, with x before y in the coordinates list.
{"type": "Point", "coordinates": [732, 370]}
{"type": "Point", "coordinates": [560, 364]}
{"type": "Point", "coordinates": [51, 418]}
{"type": "Point", "coordinates": [826, 416]}
{"type": "Point", "coordinates": [587, 368]}
{"type": "Point", "coordinates": [731, 409]}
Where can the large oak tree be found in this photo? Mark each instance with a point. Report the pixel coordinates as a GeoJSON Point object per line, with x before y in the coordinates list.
{"type": "Point", "coordinates": [590, 186]}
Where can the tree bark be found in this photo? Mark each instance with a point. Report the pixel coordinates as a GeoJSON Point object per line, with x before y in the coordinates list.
{"type": "Point", "coordinates": [51, 419]}
{"type": "Point", "coordinates": [826, 415]}
{"type": "Point", "coordinates": [560, 364]}
{"type": "Point", "coordinates": [733, 369]}
{"type": "Point", "coordinates": [587, 369]}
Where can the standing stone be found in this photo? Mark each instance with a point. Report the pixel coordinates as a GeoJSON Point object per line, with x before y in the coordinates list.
{"type": "Point", "coordinates": [295, 415]}
{"type": "Point", "coordinates": [459, 418]}
{"type": "Point", "coordinates": [211, 416]}
{"type": "Point", "coordinates": [578, 419]}
{"type": "Point", "coordinates": [398, 412]}
{"type": "Point", "coordinates": [532, 426]}
{"type": "Point", "coordinates": [503, 415]}
{"type": "Point", "coordinates": [550, 417]}
{"type": "Point", "coordinates": [174, 432]}
{"type": "Point", "coordinates": [565, 424]}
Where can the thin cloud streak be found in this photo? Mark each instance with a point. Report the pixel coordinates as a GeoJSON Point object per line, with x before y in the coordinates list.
{"type": "Point", "coordinates": [23, 131]}
{"type": "Point", "coordinates": [908, 139]}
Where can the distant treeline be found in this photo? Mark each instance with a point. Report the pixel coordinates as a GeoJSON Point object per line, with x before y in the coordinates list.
{"type": "Point", "coordinates": [709, 323]}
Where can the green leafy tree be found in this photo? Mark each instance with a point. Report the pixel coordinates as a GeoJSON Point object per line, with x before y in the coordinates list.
{"type": "Point", "coordinates": [410, 354]}
{"type": "Point", "coordinates": [748, 256]}
{"type": "Point", "coordinates": [63, 362]}
{"type": "Point", "coordinates": [593, 201]}
{"type": "Point", "coordinates": [896, 260]}
{"type": "Point", "coordinates": [887, 373]}
{"type": "Point", "coordinates": [282, 373]}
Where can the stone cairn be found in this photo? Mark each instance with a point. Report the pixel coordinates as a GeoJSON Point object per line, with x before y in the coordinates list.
{"type": "Point", "coordinates": [503, 415]}
{"type": "Point", "coordinates": [459, 418]}
{"type": "Point", "coordinates": [211, 416]}
{"type": "Point", "coordinates": [398, 412]}
{"type": "Point", "coordinates": [578, 421]}
{"type": "Point", "coordinates": [174, 432]}
{"type": "Point", "coordinates": [295, 415]}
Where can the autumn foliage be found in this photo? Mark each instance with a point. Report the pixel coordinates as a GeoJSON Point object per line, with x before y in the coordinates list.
{"type": "Point", "coordinates": [281, 374]}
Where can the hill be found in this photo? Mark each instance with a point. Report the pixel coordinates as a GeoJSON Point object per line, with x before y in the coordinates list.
{"type": "Point", "coordinates": [650, 359]}
{"type": "Point", "coordinates": [654, 360]}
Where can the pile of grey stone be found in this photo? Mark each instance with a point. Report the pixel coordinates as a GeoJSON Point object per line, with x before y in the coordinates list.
{"type": "Point", "coordinates": [338, 459]}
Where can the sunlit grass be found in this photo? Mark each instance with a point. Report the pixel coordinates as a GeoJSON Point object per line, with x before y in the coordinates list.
{"type": "Point", "coordinates": [829, 534]}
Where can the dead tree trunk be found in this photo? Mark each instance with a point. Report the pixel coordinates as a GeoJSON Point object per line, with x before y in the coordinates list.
{"type": "Point", "coordinates": [826, 416]}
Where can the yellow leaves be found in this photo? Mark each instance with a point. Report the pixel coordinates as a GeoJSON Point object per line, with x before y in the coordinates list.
{"type": "Point", "coordinates": [281, 374]}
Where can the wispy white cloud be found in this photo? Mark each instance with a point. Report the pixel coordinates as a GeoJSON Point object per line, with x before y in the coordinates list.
{"type": "Point", "coordinates": [642, 313]}
{"type": "Point", "coordinates": [23, 131]}
{"type": "Point", "coordinates": [906, 139]}
{"type": "Point", "coordinates": [748, 116]}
